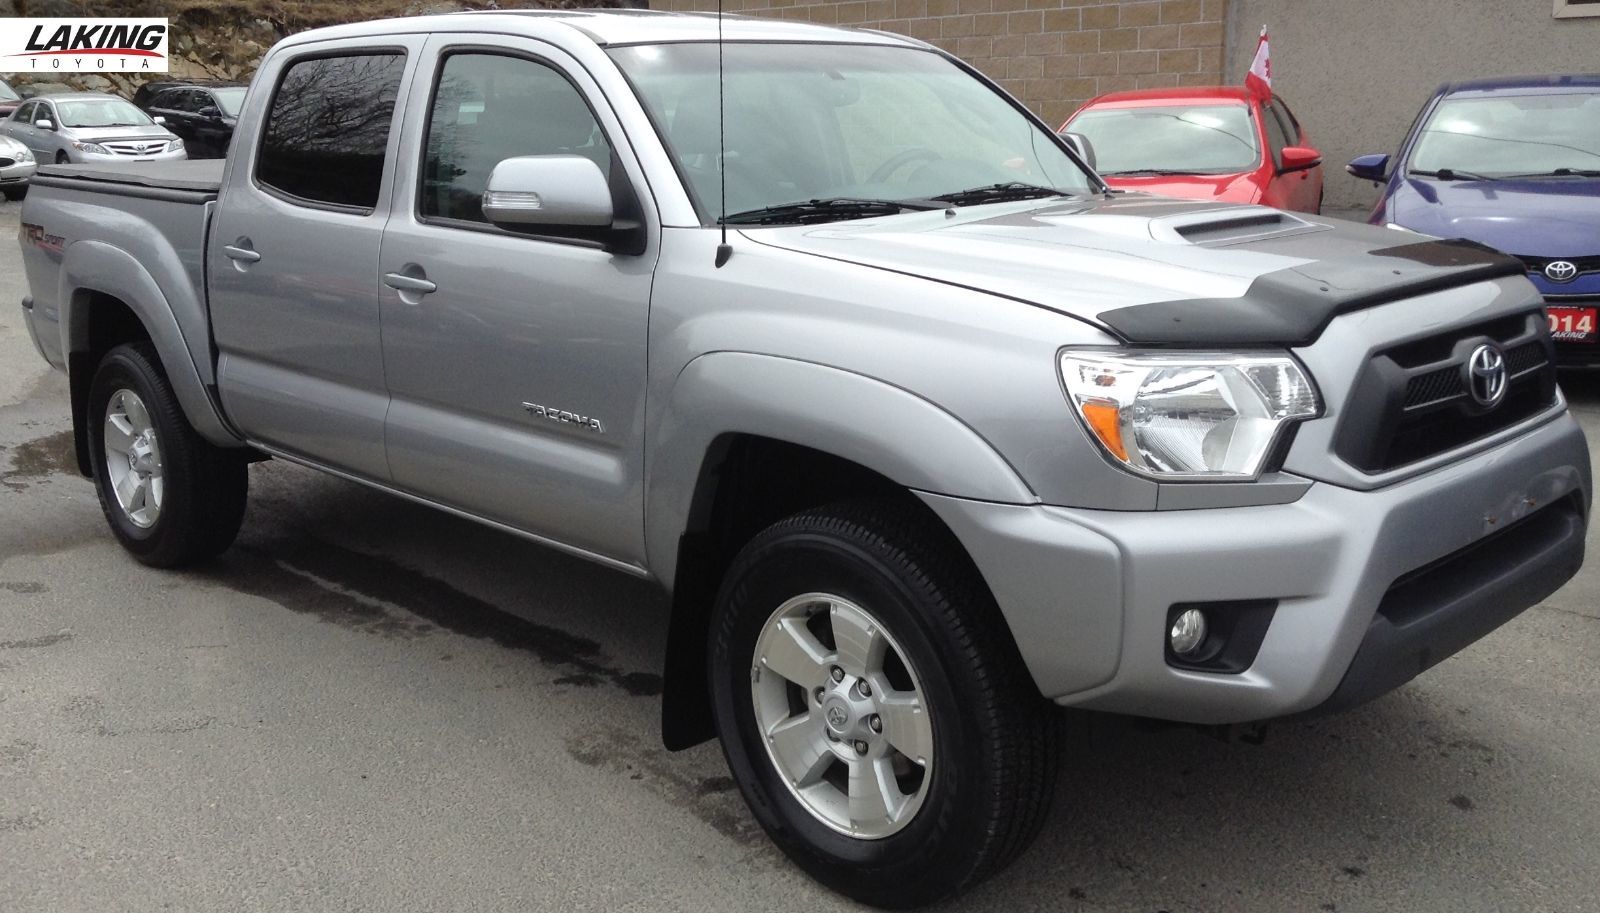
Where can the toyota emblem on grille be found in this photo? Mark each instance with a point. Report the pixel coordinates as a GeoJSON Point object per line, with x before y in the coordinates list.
{"type": "Point", "coordinates": [1486, 375]}
{"type": "Point", "coordinates": [1561, 271]}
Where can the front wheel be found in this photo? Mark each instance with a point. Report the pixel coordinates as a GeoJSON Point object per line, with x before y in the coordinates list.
{"type": "Point", "coordinates": [170, 496]}
{"type": "Point", "coordinates": [873, 711]}
{"type": "Point", "coordinates": [62, 159]}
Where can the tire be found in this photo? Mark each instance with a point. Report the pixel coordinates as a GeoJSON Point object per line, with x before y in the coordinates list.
{"type": "Point", "coordinates": [15, 193]}
{"type": "Point", "coordinates": [62, 159]}
{"type": "Point", "coordinates": [192, 499]}
{"type": "Point", "coordinates": [987, 746]}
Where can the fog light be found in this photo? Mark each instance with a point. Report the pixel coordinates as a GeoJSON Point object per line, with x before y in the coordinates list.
{"type": "Point", "coordinates": [1188, 632]}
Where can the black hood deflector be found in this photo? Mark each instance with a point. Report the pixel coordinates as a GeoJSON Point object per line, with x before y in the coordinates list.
{"type": "Point", "coordinates": [1291, 307]}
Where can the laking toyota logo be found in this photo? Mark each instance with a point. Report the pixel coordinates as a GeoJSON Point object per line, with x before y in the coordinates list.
{"type": "Point", "coordinates": [83, 45]}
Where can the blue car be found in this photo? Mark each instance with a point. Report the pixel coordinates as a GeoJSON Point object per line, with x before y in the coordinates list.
{"type": "Point", "coordinates": [1513, 163]}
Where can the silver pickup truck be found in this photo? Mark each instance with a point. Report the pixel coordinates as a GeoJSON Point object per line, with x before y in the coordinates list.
{"type": "Point", "coordinates": [925, 429]}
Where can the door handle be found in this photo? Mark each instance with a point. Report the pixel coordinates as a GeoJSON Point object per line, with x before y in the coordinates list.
{"type": "Point", "coordinates": [404, 283]}
{"type": "Point", "coordinates": [241, 254]}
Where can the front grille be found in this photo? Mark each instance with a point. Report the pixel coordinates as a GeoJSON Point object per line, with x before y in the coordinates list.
{"type": "Point", "coordinates": [132, 147]}
{"type": "Point", "coordinates": [1413, 401]}
{"type": "Point", "coordinates": [1585, 265]}
{"type": "Point", "coordinates": [6, 162]}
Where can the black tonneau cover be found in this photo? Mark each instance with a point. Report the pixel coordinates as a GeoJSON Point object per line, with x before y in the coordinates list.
{"type": "Point", "coordinates": [202, 177]}
{"type": "Point", "coordinates": [1293, 306]}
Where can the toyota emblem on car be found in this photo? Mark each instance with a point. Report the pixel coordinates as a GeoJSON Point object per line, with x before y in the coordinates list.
{"type": "Point", "coordinates": [1561, 271]}
{"type": "Point", "coordinates": [1486, 375]}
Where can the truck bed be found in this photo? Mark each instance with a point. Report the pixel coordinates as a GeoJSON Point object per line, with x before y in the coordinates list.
{"type": "Point", "coordinates": [201, 178]}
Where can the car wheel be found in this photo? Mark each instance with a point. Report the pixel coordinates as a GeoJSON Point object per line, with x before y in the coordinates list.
{"type": "Point", "coordinates": [872, 708]}
{"type": "Point", "coordinates": [15, 193]}
{"type": "Point", "coordinates": [170, 496]}
{"type": "Point", "coordinates": [61, 158]}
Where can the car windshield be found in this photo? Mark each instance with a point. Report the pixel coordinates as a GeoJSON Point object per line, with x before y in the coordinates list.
{"type": "Point", "coordinates": [6, 94]}
{"type": "Point", "coordinates": [1511, 135]}
{"type": "Point", "coordinates": [830, 122]}
{"type": "Point", "coordinates": [101, 112]}
{"type": "Point", "coordinates": [229, 100]}
{"type": "Point", "coordinates": [1182, 139]}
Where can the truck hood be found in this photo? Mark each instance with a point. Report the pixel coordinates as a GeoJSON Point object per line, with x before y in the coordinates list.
{"type": "Point", "coordinates": [1154, 270]}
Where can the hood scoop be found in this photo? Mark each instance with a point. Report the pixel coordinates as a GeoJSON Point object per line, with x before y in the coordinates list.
{"type": "Point", "coordinates": [1220, 228]}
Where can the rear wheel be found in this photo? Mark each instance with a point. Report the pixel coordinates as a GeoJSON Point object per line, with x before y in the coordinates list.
{"type": "Point", "coordinates": [872, 710]}
{"type": "Point", "coordinates": [170, 496]}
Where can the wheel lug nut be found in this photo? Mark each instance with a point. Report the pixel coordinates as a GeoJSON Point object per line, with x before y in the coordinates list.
{"type": "Point", "coordinates": [818, 694]}
{"type": "Point", "coordinates": [861, 747]}
{"type": "Point", "coordinates": [864, 688]}
{"type": "Point", "coordinates": [837, 673]}
{"type": "Point", "coordinates": [875, 722]}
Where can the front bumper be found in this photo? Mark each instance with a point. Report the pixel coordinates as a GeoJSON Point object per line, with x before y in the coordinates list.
{"type": "Point", "coordinates": [1087, 593]}
{"type": "Point", "coordinates": [17, 174]}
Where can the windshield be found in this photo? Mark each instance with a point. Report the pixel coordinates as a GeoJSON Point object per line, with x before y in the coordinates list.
{"type": "Point", "coordinates": [820, 121]}
{"type": "Point", "coordinates": [230, 100]}
{"type": "Point", "coordinates": [6, 94]}
{"type": "Point", "coordinates": [1511, 135]}
{"type": "Point", "coordinates": [1187, 139]}
{"type": "Point", "coordinates": [101, 112]}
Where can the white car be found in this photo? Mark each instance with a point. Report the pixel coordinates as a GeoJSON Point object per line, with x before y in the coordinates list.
{"type": "Point", "coordinates": [16, 167]}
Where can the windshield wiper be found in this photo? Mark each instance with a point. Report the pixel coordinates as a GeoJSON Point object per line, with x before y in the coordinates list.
{"type": "Point", "coordinates": [832, 209]}
{"type": "Point", "coordinates": [1140, 172]}
{"type": "Point", "coordinates": [1455, 174]}
{"type": "Point", "coordinates": [999, 193]}
{"type": "Point", "coordinates": [1559, 173]}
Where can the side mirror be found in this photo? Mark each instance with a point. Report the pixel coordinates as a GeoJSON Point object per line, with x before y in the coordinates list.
{"type": "Point", "coordinates": [1370, 167]}
{"type": "Point", "coordinates": [1081, 145]}
{"type": "Point", "coordinates": [159, 119]}
{"type": "Point", "coordinates": [1299, 158]}
{"type": "Point", "coordinates": [45, 123]}
{"type": "Point", "coordinates": [211, 112]}
{"type": "Point", "coordinates": [559, 191]}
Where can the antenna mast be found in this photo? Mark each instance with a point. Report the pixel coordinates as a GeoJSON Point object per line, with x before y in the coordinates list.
{"type": "Point", "coordinates": [724, 250]}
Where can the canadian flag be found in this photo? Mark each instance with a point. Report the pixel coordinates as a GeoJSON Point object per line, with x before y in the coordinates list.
{"type": "Point", "coordinates": [1259, 79]}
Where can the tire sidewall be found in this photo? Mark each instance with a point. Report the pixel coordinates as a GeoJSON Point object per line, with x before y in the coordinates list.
{"type": "Point", "coordinates": [122, 370]}
{"type": "Point", "coordinates": [764, 579]}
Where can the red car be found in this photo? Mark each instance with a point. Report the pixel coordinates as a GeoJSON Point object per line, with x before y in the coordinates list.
{"type": "Point", "coordinates": [1204, 144]}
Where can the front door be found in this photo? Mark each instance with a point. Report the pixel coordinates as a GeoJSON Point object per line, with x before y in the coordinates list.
{"type": "Point", "coordinates": [293, 256]}
{"type": "Point", "coordinates": [516, 364]}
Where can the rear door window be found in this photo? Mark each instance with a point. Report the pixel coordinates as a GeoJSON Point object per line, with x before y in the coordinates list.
{"type": "Point", "coordinates": [327, 129]}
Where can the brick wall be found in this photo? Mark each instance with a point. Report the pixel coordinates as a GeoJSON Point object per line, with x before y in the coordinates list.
{"type": "Point", "coordinates": [1052, 54]}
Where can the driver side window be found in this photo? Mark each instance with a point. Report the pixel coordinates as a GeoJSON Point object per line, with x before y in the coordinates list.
{"type": "Point", "coordinates": [491, 107]}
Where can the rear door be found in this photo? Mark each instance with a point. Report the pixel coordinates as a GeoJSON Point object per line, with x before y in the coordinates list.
{"type": "Point", "coordinates": [293, 252]}
{"type": "Point", "coordinates": [518, 377]}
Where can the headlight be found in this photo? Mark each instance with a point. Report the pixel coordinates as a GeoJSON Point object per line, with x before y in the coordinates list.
{"type": "Point", "coordinates": [92, 148]}
{"type": "Point", "coordinates": [1195, 415]}
{"type": "Point", "coordinates": [175, 146]}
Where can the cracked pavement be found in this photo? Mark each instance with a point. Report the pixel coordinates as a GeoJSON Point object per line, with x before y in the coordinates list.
{"type": "Point", "coordinates": [367, 705]}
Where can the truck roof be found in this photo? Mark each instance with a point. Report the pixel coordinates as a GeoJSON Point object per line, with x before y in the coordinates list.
{"type": "Point", "coordinates": [611, 27]}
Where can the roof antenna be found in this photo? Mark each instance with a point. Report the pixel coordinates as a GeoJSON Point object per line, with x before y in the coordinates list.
{"type": "Point", "coordinates": [724, 250]}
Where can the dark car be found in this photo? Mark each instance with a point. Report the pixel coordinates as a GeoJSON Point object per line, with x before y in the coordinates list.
{"type": "Point", "coordinates": [9, 99]}
{"type": "Point", "coordinates": [203, 114]}
{"type": "Point", "coordinates": [1513, 163]}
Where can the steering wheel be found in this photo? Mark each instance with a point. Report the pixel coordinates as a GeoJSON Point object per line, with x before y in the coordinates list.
{"type": "Point", "coordinates": [900, 160]}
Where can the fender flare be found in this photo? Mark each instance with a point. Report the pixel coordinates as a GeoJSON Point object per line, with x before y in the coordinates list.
{"type": "Point", "coordinates": [97, 267]}
{"type": "Point", "coordinates": [879, 426]}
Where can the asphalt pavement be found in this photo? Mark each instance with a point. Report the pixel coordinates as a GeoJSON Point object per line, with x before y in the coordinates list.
{"type": "Point", "coordinates": [366, 705]}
